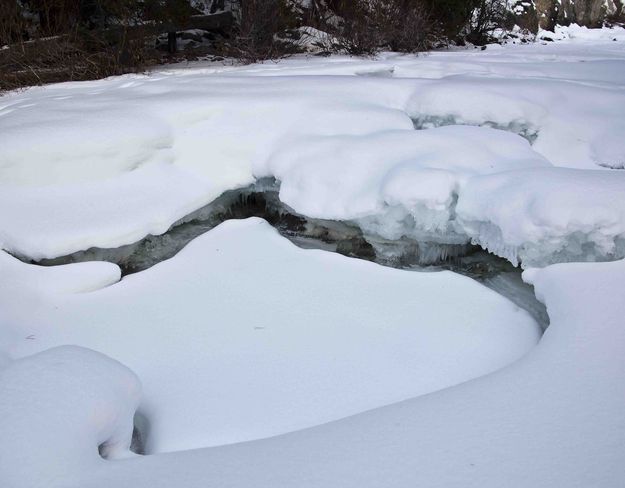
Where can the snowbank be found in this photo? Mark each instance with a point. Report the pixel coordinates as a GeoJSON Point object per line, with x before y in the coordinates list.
{"type": "Point", "coordinates": [198, 137]}
{"type": "Point", "coordinates": [555, 418]}
{"type": "Point", "coordinates": [243, 335]}
{"type": "Point", "coordinates": [546, 215]}
{"type": "Point", "coordinates": [394, 184]}
{"type": "Point", "coordinates": [163, 145]}
{"type": "Point", "coordinates": [574, 125]}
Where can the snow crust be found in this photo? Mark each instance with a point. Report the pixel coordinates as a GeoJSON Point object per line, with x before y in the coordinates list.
{"type": "Point", "coordinates": [243, 335]}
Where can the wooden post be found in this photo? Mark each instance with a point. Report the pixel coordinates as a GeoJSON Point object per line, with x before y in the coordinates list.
{"type": "Point", "coordinates": [172, 45]}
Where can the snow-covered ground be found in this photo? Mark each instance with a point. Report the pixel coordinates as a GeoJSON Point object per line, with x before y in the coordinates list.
{"type": "Point", "coordinates": [243, 335]}
{"type": "Point", "coordinates": [122, 158]}
{"type": "Point", "coordinates": [366, 376]}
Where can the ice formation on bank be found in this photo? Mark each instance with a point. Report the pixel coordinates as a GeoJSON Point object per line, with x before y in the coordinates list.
{"type": "Point", "coordinates": [547, 215]}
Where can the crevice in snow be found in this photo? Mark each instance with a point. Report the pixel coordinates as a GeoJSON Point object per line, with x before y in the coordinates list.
{"type": "Point", "coordinates": [612, 165]}
{"type": "Point", "coordinates": [351, 239]}
{"type": "Point", "coordinates": [140, 433]}
{"type": "Point", "coordinates": [386, 72]}
{"type": "Point", "coordinates": [519, 127]}
{"type": "Point", "coordinates": [140, 430]}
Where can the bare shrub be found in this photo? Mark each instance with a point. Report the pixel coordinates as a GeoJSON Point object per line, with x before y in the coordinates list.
{"type": "Point", "coordinates": [64, 40]}
{"type": "Point", "coordinates": [409, 25]}
{"type": "Point", "coordinates": [366, 26]}
{"type": "Point", "coordinates": [487, 15]}
{"type": "Point", "coordinates": [451, 16]}
{"type": "Point", "coordinates": [259, 35]}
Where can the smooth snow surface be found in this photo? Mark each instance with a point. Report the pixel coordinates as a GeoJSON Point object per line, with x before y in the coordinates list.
{"type": "Point", "coordinates": [554, 418]}
{"type": "Point", "coordinates": [125, 157]}
{"type": "Point", "coordinates": [243, 335]}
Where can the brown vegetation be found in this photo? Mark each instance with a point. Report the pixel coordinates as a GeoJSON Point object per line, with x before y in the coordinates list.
{"type": "Point", "coordinates": [56, 40]}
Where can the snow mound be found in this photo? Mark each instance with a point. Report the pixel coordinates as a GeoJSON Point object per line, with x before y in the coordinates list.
{"type": "Point", "coordinates": [243, 335]}
{"type": "Point", "coordinates": [572, 125]}
{"type": "Point", "coordinates": [78, 278]}
{"type": "Point", "coordinates": [50, 221]}
{"type": "Point", "coordinates": [546, 215]}
{"type": "Point", "coordinates": [398, 183]}
{"type": "Point", "coordinates": [554, 418]}
{"type": "Point", "coordinates": [57, 409]}
{"type": "Point", "coordinates": [118, 159]}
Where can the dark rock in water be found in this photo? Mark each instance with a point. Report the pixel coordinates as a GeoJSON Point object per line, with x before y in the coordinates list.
{"type": "Point", "coordinates": [356, 247]}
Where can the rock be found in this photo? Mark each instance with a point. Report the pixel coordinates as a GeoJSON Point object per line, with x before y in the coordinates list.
{"type": "Point", "coordinates": [356, 247]}
{"type": "Point", "coordinates": [545, 14]}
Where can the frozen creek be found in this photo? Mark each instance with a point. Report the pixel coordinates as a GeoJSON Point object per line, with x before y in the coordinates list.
{"type": "Point", "coordinates": [248, 361]}
{"type": "Point", "coordinates": [344, 237]}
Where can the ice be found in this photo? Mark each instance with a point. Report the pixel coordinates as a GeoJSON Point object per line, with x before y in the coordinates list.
{"type": "Point", "coordinates": [546, 215]}
{"type": "Point", "coordinates": [243, 335]}
{"type": "Point", "coordinates": [525, 130]}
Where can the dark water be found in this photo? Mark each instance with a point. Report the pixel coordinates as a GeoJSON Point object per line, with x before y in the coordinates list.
{"type": "Point", "coordinates": [261, 200]}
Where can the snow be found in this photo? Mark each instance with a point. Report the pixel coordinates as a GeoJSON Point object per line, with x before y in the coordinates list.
{"type": "Point", "coordinates": [547, 215]}
{"type": "Point", "coordinates": [395, 183]}
{"type": "Point", "coordinates": [57, 408]}
{"type": "Point", "coordinates": [576, 32]}
{"type": "Point", "coordinates": [243, 335]}
{"type": "Point", "coordinates": [164, 145]}
{"type": "Point", "coordinates": [252, 362]}
{"type": "Point", "coordinates": [218, 128]}
{"type": "Point", "coordinates": [554, 418]}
